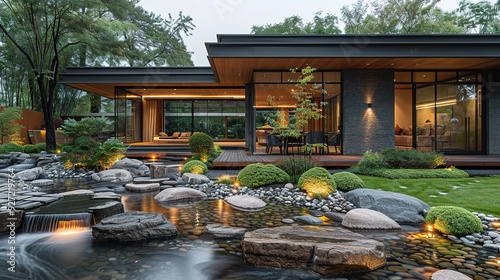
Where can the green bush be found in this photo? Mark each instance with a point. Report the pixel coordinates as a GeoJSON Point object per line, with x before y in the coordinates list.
{"type": "Point", "coordinates": [317, 181]}
{"type": "Point", "coordinates": [9, 127]}
{"type": "Point", "coordinates": [346, 181]}
{"type": "Point", "coordinates": [412, 158]}
{"type": "Point", "coordinates": [2, 150]}
{"type": "Point", "coordinates": [295, 166]}
{"type": "Point", "coordinates": [195, 167]}
{"type": "Point", "coordinates": [30, 149]}
{"type": "Point", "coordinates": [372, 161]}
{"type": "Point", "coordinates": [450, 172]}
{"type": "Point", "coordinates": [201, 143]}
{"type": "Point", "coordinates": [41, 146]}
{"type": "Point", "coordinates": [258, 174]}
{"type": "Point", "coordinates": [86, 127]}
{"type": "Point", "coordinates": [453, 220]}
{"type": "Point", "coordinates": [12, 147]}
{"type": "Point", "coordinates": [89, 154]}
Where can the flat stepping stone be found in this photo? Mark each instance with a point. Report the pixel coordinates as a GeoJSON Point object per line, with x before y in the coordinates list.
{"type": "Point", "coordinates": [448, 275]}
{"type": "Point", "coordinates": [328, 251]}
{"type": "Point", "coordinates": [367, 219]}
{"type": "Point", "coordinates": [147, 180]}
{"type": "Point", "coordinates": [309, 220]}
{"type": "Point", "coordinates": [179, 195]}
{"type": "Point", "coordinates": [21, 197]}
{"type": "Point", "coordinates": [107, 195]}
{"type": "Point", "coordinates": [245, 202]}
{"type": "Point", "coordinates": [36, 193]}
{"type": "Point", "coordinates": [28, 205]}
{"type": "Point", "coordinates": [133, 226]}
{"type": "Point", "coordinates": [42, 182]}
{"type": "Point", "coordinates": [219, 230]}
{"type": "Point", "coordinates": [150, 187]}
{"type": "Point", "coordinates": [42, 199]}
{"type": "Point", "coordinates": [77, 192]}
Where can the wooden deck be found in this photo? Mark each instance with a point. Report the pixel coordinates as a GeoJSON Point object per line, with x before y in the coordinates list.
{"type": "Point", "coordinates": [240, 158]}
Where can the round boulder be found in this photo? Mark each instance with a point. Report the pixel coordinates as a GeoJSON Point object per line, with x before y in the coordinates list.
{"type": "Point", "coordinates": [134, 166]}
{"type": "Point", "coordinates": [245, 202]}
{"type": "Point", "coordinates": [113, 175]}
{"type": "Point", "coordinates": [180, 194]}
{"type": "Point", "coordinates": [366, 219]}
{"type": "Point", "coordinates": [133, 226]}
{"type": "Point", "coordinates": [403, 209]}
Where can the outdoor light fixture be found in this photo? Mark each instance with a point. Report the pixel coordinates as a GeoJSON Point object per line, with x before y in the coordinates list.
{"type": "Point", "coordinates": [369, 105]}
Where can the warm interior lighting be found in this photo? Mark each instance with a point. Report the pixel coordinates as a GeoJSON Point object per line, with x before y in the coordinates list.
{"type": "Point", "coordinates": [448, 102]}
{"type": "Point", "coordinates": [275, 106]}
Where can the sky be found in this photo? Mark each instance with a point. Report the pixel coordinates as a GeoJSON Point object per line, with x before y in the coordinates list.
{"type": "Point", "coordinates": [213, 17]}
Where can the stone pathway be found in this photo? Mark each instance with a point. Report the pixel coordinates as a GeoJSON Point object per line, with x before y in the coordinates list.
{"type": "Point", "coordinates": [24, 199]}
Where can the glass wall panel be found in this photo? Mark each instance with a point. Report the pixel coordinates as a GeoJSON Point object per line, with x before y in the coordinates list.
{"type": "Point", "coordinates": [128, 116]}
{"type": "Point", "coordinates": [220, 119]}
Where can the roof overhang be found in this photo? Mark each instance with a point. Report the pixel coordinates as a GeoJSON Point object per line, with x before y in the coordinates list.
{"type": "Point", "coordinates": [233, 59]}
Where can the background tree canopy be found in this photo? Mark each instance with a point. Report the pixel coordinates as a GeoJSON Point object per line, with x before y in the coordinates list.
{"type": "Point", "coordinates": [395, 17]}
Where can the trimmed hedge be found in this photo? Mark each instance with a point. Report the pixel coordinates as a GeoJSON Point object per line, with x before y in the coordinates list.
{"type": "Point", "coordinates": [195, 167]}
{"type": "Point", "coordinates": [346, 181]}
{"type": "Point", "coordinates": [317, 181]}
{"type": "Point", "coordinates": [452, 173]}
{"type": "Point", "coordinates": [258, 174]}
{"type": "Point", "coordinates": [31, 149]}
{"type": "Point", "coordinates": [453, 220]}
{"type": "Point", "coordinates": [200, 143]}
{"type": "Point", "coordinates": [12, 147]}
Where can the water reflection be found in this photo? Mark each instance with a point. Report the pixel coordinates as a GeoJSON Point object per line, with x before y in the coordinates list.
{"type": "Point", "coordinates": [196, 255]}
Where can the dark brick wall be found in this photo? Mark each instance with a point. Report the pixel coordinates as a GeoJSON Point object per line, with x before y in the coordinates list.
{"type": "Point", "coordinates": [367, 128]}
{"type": "Point", "coordinates": [491, 83]}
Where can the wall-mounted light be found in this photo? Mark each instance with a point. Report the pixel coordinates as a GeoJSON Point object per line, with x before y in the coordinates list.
{"type": "Point", "coordinates": [369, 105]}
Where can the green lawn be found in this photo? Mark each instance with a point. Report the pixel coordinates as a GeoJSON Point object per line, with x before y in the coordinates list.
{"type": "Point", "coordinates": [479, 194]}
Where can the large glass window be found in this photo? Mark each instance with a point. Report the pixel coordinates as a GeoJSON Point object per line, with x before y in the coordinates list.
{"type": "Point", "coordinates": [446, 112]}
{"type": "Point", "coordinates": [221, 119]}
{"type": "Point", "coordinates": [273, 93]}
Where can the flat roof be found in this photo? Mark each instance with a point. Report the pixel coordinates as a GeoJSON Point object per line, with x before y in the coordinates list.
{"type": "Point", "coordinates": [234, 57]}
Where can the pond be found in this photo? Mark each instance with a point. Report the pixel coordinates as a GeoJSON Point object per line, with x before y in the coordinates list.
{"type": "Point", "coordinates": [411, 253]}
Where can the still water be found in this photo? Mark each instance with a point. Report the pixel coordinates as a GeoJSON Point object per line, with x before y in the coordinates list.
{"type": "Point", "coordinates": [412, 253]}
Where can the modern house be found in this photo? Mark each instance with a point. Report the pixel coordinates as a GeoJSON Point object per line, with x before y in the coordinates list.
{"type": "Point", "coordinates": [430, 92]}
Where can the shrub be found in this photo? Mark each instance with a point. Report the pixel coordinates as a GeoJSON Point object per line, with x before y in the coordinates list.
{"type": "Point", "coordinates": [87, 153]}
{"type": "Point", "coordinates": [41, 146]}
{"type": "Point", "coordinates": [30, 149]}
{"type": "Point", "coordinates": [2, 150]}
{"type": "Point", "coordinates": [258, 174]}
{"type": "Point", "coordinates": [317, 181]}
{"type": "Point", "coordinates": [86, 127]}
{"type": "Point", "coordinates": [450, 172]}
{"type": "Point", "coordinates": [12, 147]}
{"type": "Point", "coordinates": [346, 181]}
{"type": "Point", "coordinates": [372, 161]}
{"type": "Point", "coordinates": [412, 158]}
{"type": "Point", "coordinates": [453, 220]}
{"type": "Point", "coordinates": [195, 167]}
{"type": "Point", "coordinates": [201, 143]}
{"type": "Point", "coordinates": [295, 166]}
{"type": "Point", "coordinates": [225, 179]}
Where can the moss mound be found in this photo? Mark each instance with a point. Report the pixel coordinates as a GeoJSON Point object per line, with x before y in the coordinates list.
{"type": "Point", "coordinates": [317, 182]}
{"type": "Point", "coordinates": [258, 174]}
{"type": "Point", "coordinates": [453, 220]}
{"type": "Point", "coordinates": [346, 181]}
{"type": "Point", "coordinates": [195, 167]}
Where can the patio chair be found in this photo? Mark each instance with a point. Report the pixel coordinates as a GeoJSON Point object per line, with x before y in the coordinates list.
{"type": "Point", "coordinates": [291, 142]}
{"type": "Point", "coordinates": [334, 141]}
{"type": "Point", "coordinates": [315, 140]}
{"type": "Point", "coordinates": [273, 141]}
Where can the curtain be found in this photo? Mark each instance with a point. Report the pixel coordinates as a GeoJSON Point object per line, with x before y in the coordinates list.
{"type": "Point", "coordinates": [149, 117]}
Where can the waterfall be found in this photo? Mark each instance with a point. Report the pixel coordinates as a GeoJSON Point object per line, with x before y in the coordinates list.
{"type": "Point", "coordinates": [56, 222]}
